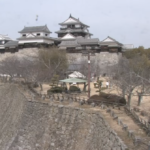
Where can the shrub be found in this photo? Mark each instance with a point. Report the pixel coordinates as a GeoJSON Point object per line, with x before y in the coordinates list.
{"type": "Point", "coordinates": [56, 90]}
{"type": "Point", "coordinates": [74, 89]}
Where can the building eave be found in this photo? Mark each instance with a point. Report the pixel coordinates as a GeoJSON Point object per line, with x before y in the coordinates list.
{"type": "Point", "coordinates": [42, 37]}
{"type": "Point", "coordinates": [34, 29]}
{"type": "Point", "coordinates": [73, 32]}
{"type": "Point", "coordinates": [73, 23]}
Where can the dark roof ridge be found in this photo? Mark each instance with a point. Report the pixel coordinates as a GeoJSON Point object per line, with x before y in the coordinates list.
{"type": "Point", "coordinates": [34, 26]}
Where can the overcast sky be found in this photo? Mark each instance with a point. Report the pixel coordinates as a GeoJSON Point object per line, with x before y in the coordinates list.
{"type": "Point", "coordinates": [127, 21]}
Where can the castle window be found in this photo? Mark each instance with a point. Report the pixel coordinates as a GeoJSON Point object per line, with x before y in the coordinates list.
{"type": "Point", "coordinates": [24, 35]}
{"type": "Point", "coordinates": [38, 34]}
{"type": "Point", "coordinates": [45, 34]}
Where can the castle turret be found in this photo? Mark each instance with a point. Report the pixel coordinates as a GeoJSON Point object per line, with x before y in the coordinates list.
{"type": "Point", "coordinates": [73, 27]}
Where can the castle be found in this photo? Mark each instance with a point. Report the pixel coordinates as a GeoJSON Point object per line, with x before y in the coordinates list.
{"type": "Point", "coordinates": [74, 36]}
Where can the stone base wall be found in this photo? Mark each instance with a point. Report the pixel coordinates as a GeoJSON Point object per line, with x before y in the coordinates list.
{"type": "Point", "coordinates": [103, 61]}
{"type": "Point", "coordinates": [104, 58]}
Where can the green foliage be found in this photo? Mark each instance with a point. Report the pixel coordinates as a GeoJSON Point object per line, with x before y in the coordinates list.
{"type": "Point", "coordinates": [74, 89]}
{"type": "Point", "coordinates": [136, 51]}
{"type": "Point", "coordinates": [56, 90]}
{"type": "Point", "coordinates": [139, 59]}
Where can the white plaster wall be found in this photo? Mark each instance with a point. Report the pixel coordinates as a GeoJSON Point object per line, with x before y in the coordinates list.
{"type": "Point", "coordinates": [48, 41]}
{"type": "Point", "coordinates": [35, 34]}
{"type": "Point", "coordinates": [77, 25]}
{"type": "Point", "coordinates": [31, 41]}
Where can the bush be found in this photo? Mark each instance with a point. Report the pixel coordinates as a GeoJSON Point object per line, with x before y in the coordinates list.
{"type": "Point", "coordinates": [74, 89]}
{"type": "Point", "coordinates": [107, 98]}
{"type": "Point", "coordinates": [56, 90]}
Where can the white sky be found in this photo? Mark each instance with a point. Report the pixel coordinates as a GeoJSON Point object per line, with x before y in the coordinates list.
{"type": "Point", "coordinates": [127, 21]}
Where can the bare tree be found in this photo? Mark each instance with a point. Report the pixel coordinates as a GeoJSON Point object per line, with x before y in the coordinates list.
{"type": "Point", "coordinates": [38, 69]}
{"type": "Point", "coordinates": [53, 61]}
{"type": "Point", "coordinates": [131, 75]}
{"type": "Point", "coordinates": [10, 66]}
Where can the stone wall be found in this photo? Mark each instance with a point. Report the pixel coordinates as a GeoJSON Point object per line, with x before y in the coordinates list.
{"type": "Point", "coordinates": [27, 125]}
{"type": "Point", "coordinates": [103, 60]}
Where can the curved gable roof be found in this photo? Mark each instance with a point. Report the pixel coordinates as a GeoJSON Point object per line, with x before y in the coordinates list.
{"type": "Point", "coordinates": [109, 40]}
{"type": "Point", "coordinates": [72, 20]}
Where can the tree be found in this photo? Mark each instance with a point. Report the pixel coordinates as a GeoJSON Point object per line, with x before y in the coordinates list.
{"type": "Point", "coordinates": [133, 74]}
{"type": "Point", "coordinates": [37, 69]}
{"type": "Point", "coordinates": [53, 61]}
{"type": "Point", "coordinates": [10, 66]}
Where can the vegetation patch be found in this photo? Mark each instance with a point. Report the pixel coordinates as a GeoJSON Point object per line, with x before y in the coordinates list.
{"type": "Point", "coordinates": [107, 98]}
{"type": "Point", "coordinates": [74, 89]}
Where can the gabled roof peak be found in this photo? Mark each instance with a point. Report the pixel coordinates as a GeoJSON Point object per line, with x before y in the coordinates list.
{"type": "Point", "coordinates": [68, 36]}
{"type": "Point", "coordinates": [72, 20]}
{"type": "Point", "coordinates": [111, 40]}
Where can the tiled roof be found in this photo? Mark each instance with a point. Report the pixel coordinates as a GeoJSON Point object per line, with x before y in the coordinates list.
{"type": "Point", "coordinates": [94, 41]}
{"type": "Point", "coordinates": [111, 43]}
{"type": "Point", "coordinates": [78, 42]}
{"type": "Point", "coordinates": [72, 43]}
{"type": "Point", "coordinates": [38, 37]}
{"type": "Point", "coordinates": [73, 31]}
{"type": "Point", "coordinates": [35, 29]}
{"type": "Point", "coordinates": [11, 44]}
{"type": "Point", "coordinates": [77, 21]}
